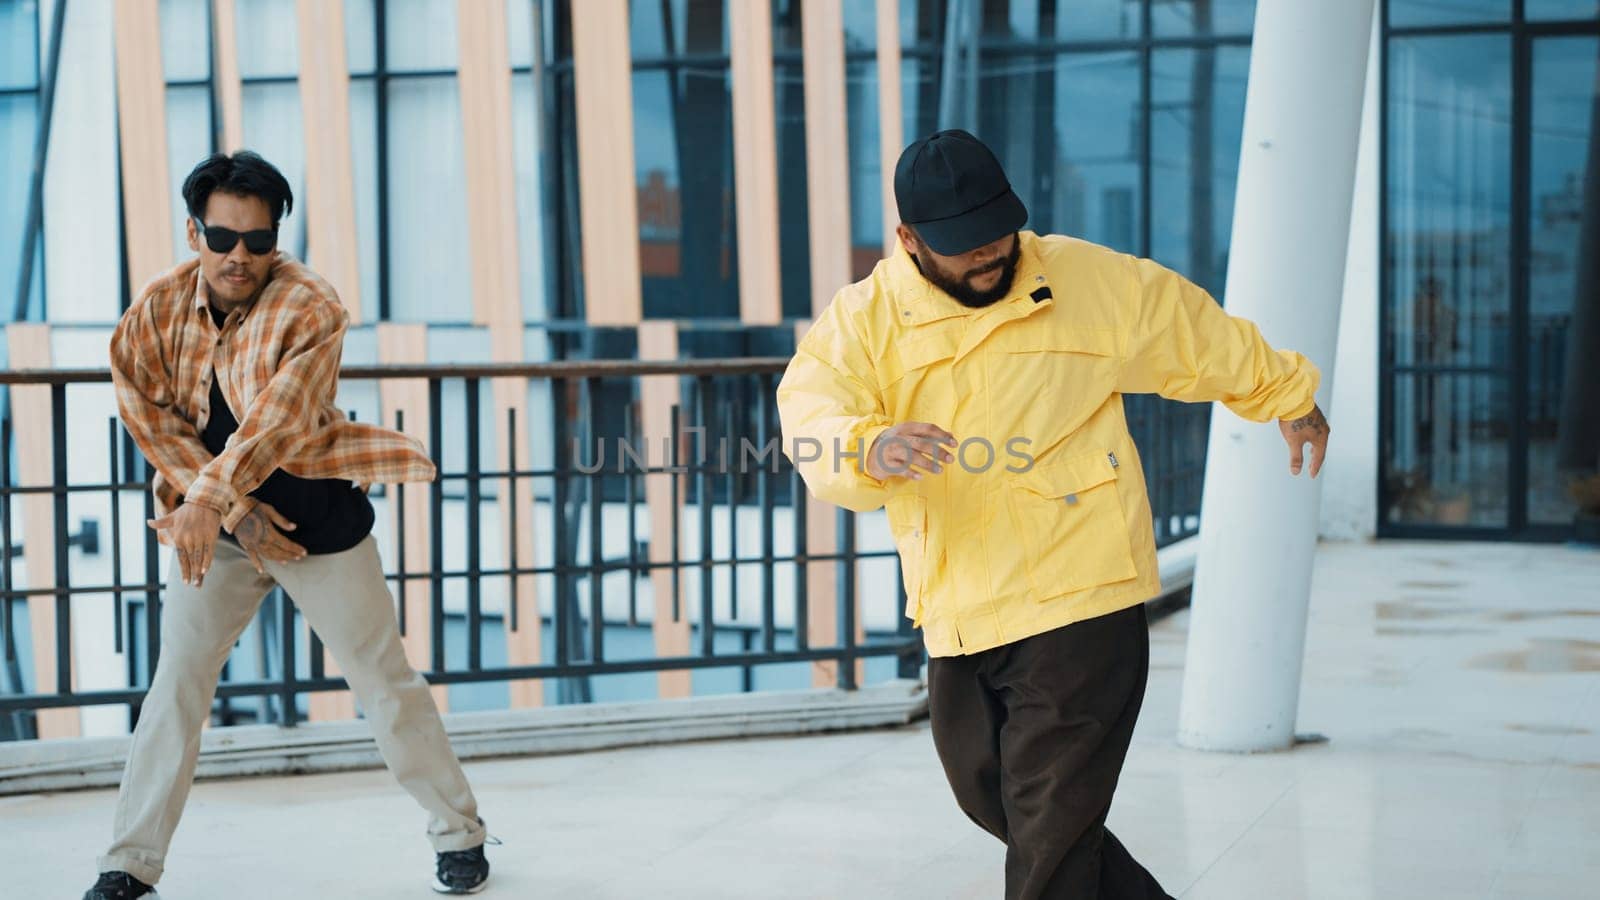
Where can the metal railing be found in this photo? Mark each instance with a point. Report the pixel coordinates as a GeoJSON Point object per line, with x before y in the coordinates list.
{"type": "Point", "coordinates": [590, 514]}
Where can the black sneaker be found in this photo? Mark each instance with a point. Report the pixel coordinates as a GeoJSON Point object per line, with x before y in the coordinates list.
{"type": "Point", "coordinates": [461, 871]}
{"type": "Point", "coordinates": [118, 886]}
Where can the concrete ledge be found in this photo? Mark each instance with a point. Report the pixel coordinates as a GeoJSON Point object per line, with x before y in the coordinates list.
{"type": "Point", "coordinates": [59, 765]}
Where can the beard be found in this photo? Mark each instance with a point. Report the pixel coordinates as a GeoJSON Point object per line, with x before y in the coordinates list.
{"type": "Point", "coordinates": [961, 287]}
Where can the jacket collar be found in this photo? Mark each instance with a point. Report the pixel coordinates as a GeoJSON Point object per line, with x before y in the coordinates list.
{"type": "Point", "coordinates": [918, 302]}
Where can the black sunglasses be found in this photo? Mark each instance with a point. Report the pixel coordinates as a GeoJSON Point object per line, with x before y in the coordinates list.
{"type": "Point", "coordinates": [223, 240]}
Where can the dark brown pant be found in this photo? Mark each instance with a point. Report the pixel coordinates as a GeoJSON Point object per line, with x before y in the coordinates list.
{"type": "Point", "coordinates": [1032, 736]}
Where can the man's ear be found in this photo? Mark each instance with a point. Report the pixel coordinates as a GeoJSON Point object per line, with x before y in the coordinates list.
{"type": "Point", "coordinates": [193, 234]}
{"type": "Point", "coordinates": [908, 238]}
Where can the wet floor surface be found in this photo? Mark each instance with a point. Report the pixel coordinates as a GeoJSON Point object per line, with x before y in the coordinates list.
{"type": "Point", "coordinates": [1458, 685]}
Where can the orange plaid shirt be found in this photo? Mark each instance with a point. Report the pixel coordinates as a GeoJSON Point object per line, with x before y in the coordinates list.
{"type": "Point", "coordinates": [278, 361]}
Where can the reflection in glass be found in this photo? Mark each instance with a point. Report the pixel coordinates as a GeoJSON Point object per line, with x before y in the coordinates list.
{"type": "Point", "coordinates": [17, 116]}
{"type": "Point", "coordinates": [683, 161]}
{"type": "Point", "coordinates": [19, 44]}
{"type": "Point", "coordinates": [1172, 18]}
{"type": "Point", "coordinates": [1197, 122]}
{"type": "Point", "coordinates": [1449, 197]}
{"type": "Point", "coordinates": [1446, 463]}
{"type": "Point", "coordinates": [1564, 285]}
{"type": "Point", "coordinates": [1447, 12]}
{"type": "Point", "coordinates": [1562, 9]}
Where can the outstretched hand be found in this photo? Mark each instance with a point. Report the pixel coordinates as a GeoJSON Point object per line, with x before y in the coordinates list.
{"type": "Point", "coordinates": [261, 534]}
{"type": "Point", "coordinates": [1311, 428]}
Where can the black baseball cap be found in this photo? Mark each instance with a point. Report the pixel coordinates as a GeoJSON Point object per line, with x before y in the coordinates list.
{"type": "Point", "coordinates": [951, 189]}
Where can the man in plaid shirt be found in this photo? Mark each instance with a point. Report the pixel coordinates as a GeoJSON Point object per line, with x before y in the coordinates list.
{"type": "Point", "coordinates": [226, 370]}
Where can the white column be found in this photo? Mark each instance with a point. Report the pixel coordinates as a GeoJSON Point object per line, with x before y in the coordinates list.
{"type": "Point", "coordinates": [1308, 67]}
{"type": "Point", "coordinates": [1350, 490]}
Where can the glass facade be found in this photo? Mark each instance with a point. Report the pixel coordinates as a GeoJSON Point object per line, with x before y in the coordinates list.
{"type": "Point", "coordinates": [19, 107]}
{"type": "Point", "coordinates": [1491, 161]}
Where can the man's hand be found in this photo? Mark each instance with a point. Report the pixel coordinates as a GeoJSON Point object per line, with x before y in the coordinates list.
{"type": "Point", "coordinates": [904, 449]}
{"type": "Point", "coordinates": [192, 530]}
{"type": "Point", "coordinates": [1310, 428]}
{"type": "Point", "coordinates": [260, 534]}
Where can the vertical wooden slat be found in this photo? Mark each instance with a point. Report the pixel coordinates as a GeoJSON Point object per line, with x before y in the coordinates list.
{"type": "Point", "coordinates": [891, 127]}
{"type": "Point", "coordinates": [225, 74]}
{"type": "Point", "coordinates": [827, 149]}
{"type": "Point", "coordinates": [755, 163]}
{"type": "Point", "coordinates": [29, 345]}
{"type": "Point", "coordinates": [822, 581]}
{"type": "Point", "coordinates": [657, 396]}
{"type": "Point", "coordinates": [330, 200]}
{"type": "Point", "coordinates": [399, 344]}
{"type": "Point", "coordinates": [142, 136]}
{"type": "Point", "coordinates": [485, 85]}
{"type": "Point", "coordinates": [330, 207]}
{"type": "Point", "coordinates": [609, 213]}
{"type": "Point", "coordinates": [523, 645]}
{"type": "Point", "coordinates": [485, 82]}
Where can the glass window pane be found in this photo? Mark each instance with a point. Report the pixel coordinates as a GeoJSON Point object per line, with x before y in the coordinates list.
{"type": "Point", "coordinates": [364, 155]}
{"type": "Point", "coordinates": [530, 192]}
{"type": "Point", "coordinates": [1092, 20]}
{"type": "Point", "coordinates": [1449, 200]}
{"type": "Point", "coordinates": [185, 40]}
{"type": "Point", "coordinates": [1564, 281]}
{"type": "Point", "coordinates": [1172, 18]}
{"type": "Point", "coordinates": [684, 165]}
{"type": "Point", "coordinates": [19, 44]}
{"type": "Point", "coordinates": [421, 34]}
{"type": "Point", "coordinates": [265, 34]}
{"type": "Point", "coordinates": [188, 142]}
{"type": "Point", "coordinates": [1563, 9]}
{"type": "Point", "coordinates": [1447, 12]}
{"type": "Point", "coordinates": [866, 179]}
{"type": "Point", "coordinates": [1067, 129]}
{"type": "Point", "coordinates": [519, 25]}
{"type": "Point", "coordinates": [860, 26]}
{"type": "Point", "coordinates": [360, 44]}
{"type": "Point", "coordinates": [1447, 460]}
{"type": "Point", "coordinates": [1197, 122]}
{"type": "Point", "coordinates": [794, 234]}
{"type": "Point", "coordinates": [428, 252]}
{"type": "Point", "coordinates": [274, 128]}
{"type": "Point", "coordinates": [17, 117]}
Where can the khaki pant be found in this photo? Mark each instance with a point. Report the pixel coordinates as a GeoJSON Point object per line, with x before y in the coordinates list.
{"type": "Point", "coordinates": [346, 600]}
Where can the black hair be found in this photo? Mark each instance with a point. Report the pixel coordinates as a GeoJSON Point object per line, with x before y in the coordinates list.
{"type": "Point", "coordinates": [244, 174]}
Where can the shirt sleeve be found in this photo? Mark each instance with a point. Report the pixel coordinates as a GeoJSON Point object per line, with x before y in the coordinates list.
{"type": "Point", "coordinates": [147, 405]}
{"type": "Point", "coordinates": [284, 414]}
{"type": "Point", "coordinates": [1183, 346]}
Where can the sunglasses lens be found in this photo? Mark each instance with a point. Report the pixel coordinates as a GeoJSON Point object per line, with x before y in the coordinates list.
{"type": "Point", "coordinates": [221, 240]}
{"type": "Point", "coordinates": [260, 242]}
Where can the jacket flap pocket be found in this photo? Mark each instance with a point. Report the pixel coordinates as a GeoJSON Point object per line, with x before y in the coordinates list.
{"type": "Point", "coordinates": [1063, 339]}
{"type": "Point", "coordinates": [918, 351]}
{"type": "Point", "coordinates": [1069, 476]}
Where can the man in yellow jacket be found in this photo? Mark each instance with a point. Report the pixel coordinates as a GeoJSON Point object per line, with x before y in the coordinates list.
{"type": "Point", "coordinates": [973, 385]}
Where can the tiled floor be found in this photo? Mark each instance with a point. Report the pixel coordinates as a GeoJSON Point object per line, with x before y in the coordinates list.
{"type": "Point", "coordinates": [1459, 686]}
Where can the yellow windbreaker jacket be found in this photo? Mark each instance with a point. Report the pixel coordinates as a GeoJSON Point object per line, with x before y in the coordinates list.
{"type": "Point", "coordinates": [1043, 520]}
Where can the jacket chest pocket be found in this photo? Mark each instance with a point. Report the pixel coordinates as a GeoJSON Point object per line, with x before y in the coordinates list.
{"type": "Point", "coordinates": [1071, 525]}
{"type": "Point", "coordinates": [908, 523]}
{"type": "Point", "coordinates": [916, 375]}
{"type": "Point", "coordinates": [1075, 368]}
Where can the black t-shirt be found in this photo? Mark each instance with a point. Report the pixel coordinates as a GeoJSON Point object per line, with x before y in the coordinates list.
{"type": "Point", "coordinates": [331, 514]}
